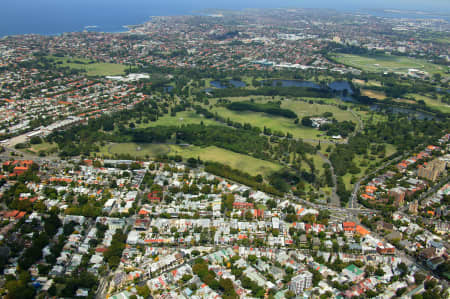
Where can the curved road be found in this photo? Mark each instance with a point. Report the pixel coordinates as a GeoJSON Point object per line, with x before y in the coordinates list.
{"type": "Point", "coordinates": [353, 200]}
{"type": "Point", "coordinates": [335, 200]}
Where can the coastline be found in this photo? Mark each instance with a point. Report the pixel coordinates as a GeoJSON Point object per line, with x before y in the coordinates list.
{"type": "Point", "coordinates": [124, 27]}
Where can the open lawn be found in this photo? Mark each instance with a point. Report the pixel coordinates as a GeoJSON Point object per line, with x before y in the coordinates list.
{"type": "Point", "coordinates": [276, 123]}
{"type": "Point", "coordinates": [135, 150]}
{"type": "Point", "coordinates": [443, 40]}
{"type": "Point", "coordinates": [261, 120]}
{"type": "Point", "coordinates": [367, 84]}
{"type": "Point", "coordinates": [390, 149]}
{"type": "Point", "coordinates": [385, 63]}
{"type": "Point", "coordinates": [434, 103]}
{"type": "Point", "coordinates": [318, 163]}
{"type": "Point", "coordinates": [371, 116]}
{"type": "Point", "coordinates": [242, 162]}
{"type": "Point", "coordinates": [92, 69]}
{"type": "Point", "coordinates": [303, 109]}
{"type": "Point", "coordinates": [323, 147]}
{"type": "Point", "coordinates": [211, 153]}
{"type": "Point", "coordinates": [44, 147]}
{"type": "Point", "coordinates": [379, 95]}
{"type": "Point", "coordinates": [182, 118]}
{"type": "Point", "coordinates": [404, 101]}
{"type": "Point", "coordinates": [347, 178]}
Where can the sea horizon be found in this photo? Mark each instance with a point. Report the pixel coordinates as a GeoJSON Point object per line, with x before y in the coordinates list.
{"type": "Point", "coordinates": [50, 17]}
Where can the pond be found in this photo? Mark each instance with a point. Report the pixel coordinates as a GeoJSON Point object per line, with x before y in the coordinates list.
{"type": "Point", "coordinates": [349, 99]}
{"type": "Point", "coordinates": [438, 89]}
{"type": "Point", "coordinates": [400, 110]}
{"type": "Point", "coordinates": [168, 88]}
{"type": "Point", "coordinates": [231, 83]}
{"type": "Point", "coordinates": [343, 89]}
{"type": "Point", "coordinates": [292, 83]}
{"type": "Point", "coordinates": [341, 86]}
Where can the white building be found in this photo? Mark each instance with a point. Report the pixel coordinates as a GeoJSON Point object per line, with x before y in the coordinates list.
{"type": "Point", "coordinates": [301, 282]}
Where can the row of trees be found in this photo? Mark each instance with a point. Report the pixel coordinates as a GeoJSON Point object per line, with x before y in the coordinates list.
{"type": "Point", "coordinates": [241, 177]}
{"type": "Point", "coordinates": [269, 108]}
{"type": "Point", "coordinates": [114, 252]}
{"type": "Point", "coordinates": [237, 140]}
{"type": "Point", "coordinates": [273, 91]}
{"type": "Point", "coordinates": [225, 286]}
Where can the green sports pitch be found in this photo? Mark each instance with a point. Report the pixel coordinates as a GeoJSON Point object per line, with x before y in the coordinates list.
{"type": "Point", "coordinates": [389, 63]}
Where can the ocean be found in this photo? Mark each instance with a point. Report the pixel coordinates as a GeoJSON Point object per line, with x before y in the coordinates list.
{"type": "Point", "coordinates": [57, 16]}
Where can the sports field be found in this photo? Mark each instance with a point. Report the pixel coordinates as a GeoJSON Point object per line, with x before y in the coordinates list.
{"type": "Point", "coordinates": [135, 150]}
{"type": "Point", "coordinates": [385, 63]}
{"type": "Point", "coordinates": [92, 69]}
{"type": "Point", "coordinates": [182, 118]}
{"type": "Point", "coordinates": [211, 153]}
{"type": "Point", "coordinates": [44, 147]}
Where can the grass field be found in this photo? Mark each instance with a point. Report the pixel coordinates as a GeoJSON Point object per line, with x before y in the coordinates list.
{"type": "Point", "coordinates": [434, 103]}
{"type": "Point", "coordinates": [211, 153]}
{"type": "Point", "coordinates": [347, 178]}
{"type": "Point", "coordinates": [379, 95]}
{"type": "Point", "coordinates": [245, 163]}
{"type": "Point", "coordinates": [135, 150]}
{"type": "Point", "coordinates": [44, 147]}
{"type": "Point", "coordinates": [182, 118]}
{"type": "Point", "coordinates": [369, 83]}
{"type": "Point", "coordinates": [385, 63]}
{"type": "Point", "coordinates": [303, 109]}
{"type": "Point", "coordinates": [443, 40]}
{"type": "Point", "coordinates": [404, 101]}
{"type": "Point", "coordinates": [283, 124]}
{"type": "Point", "coordinates": [92, 69]}
{"type": "Point", "coordinates": [390, 149]}
{"type": "Point", "coordinates": [262, 120]}
{"type": "Point", "coordinates": [318, 163]}
{"type": "Point", "coordinates": [372, 116]}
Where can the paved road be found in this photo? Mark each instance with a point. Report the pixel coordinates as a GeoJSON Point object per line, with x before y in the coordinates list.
{"type": "Point", "coordinates": [428, 193]}
{"type": "Point", "coordinates": [103, 285]}
{"type": "Point", "coordinates": [348, 211]}
{"type": "Point", "coordinates": [335, 200]}
{"type": "Point", "coordinates": [360, 122]}
{"type": "Point", "coordinates": [425, 195]}
{"type": "Point", "coordinates": [354, 197]}
{"type": "Point", "coordinates": [413, 260]}
{"type": "Point", "coordinates": [325, 141]}
{"type": "Point", "coordinates": [435, 188]}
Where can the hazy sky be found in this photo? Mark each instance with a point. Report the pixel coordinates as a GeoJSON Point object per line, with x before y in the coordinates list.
{"type": "Point", "coordinates": [441, 5]}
